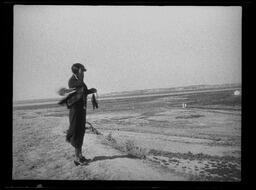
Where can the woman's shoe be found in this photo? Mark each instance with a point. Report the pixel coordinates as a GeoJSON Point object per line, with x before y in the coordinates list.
{"type": "Point", "coordinates": [83, 159]}
{"type": "Point", "coordinates": [80, 162]}
{"type": "Point", "coordinates": [76, 163]}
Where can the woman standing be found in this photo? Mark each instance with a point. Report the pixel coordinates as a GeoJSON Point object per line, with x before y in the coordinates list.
{"type": "Point", "coordinates": [77, 103]}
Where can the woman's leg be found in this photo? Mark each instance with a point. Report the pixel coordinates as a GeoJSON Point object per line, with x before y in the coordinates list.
{"type": "Point", "coordinates": [81, 157]}
{"type": "Point", "coordinates": [79, 160]}
{"type": "Point", "coordinates": [77, 154]}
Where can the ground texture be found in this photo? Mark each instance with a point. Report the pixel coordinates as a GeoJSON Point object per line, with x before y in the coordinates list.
{"type": "Point", "coordinates": [150, 138]}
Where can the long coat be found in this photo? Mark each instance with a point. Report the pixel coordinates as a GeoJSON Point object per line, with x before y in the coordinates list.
{"type": "Point", "coordinates": [77, 104]}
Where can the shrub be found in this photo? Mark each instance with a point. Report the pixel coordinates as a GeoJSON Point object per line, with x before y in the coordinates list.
{"type": "Point", "coordinates": [110, 138]}
{"type": "Point", "coordinates": [127, 146]}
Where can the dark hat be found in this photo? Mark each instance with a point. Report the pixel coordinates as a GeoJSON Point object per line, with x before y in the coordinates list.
{"type": "Point", "coordinates": [75, 68]}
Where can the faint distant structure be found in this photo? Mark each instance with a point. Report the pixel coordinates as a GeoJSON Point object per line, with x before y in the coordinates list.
{"type": "Point", "coordinates": [237, 93]}
{"type": "Point", "coordinates": [184, 105]}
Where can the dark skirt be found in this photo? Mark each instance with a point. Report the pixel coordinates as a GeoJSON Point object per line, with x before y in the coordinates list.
{"type": "Point", "coordinates": [77, 119]}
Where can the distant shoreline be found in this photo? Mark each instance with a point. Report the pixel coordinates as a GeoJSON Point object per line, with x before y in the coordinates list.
{"type": "Point", "coordinates": [116, 97]}
{"type": "Point", "coordinates": [143, 92]}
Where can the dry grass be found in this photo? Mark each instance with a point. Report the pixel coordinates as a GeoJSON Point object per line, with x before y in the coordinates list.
{"type": "Point", "coordinates": [127, 146]}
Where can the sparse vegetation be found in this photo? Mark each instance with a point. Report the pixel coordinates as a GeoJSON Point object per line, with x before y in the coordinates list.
{"type": "Point", "coordinates": [126, 146]}
{"type": "Point", "coordinates": [110, 138]}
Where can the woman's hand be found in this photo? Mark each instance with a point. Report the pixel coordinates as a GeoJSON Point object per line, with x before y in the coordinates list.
{"type": "Point", "coordinates": [93, 90]}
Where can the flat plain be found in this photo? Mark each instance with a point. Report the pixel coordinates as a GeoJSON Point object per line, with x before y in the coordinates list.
{"type": "Point", "coordinates": [201, 142]}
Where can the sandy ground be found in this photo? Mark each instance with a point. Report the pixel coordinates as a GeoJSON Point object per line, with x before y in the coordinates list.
{"type": "Point", "coordinates": [50, 157]}
{"type": "Point", "coordinates": [144, 141]}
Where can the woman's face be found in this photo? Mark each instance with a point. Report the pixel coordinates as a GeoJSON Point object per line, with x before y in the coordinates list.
{"type": "Point", "coordinates": [81, 74]}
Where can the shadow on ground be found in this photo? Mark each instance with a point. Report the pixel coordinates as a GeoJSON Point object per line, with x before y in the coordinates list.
{"type": "Point", "coordinates": [99, 158]}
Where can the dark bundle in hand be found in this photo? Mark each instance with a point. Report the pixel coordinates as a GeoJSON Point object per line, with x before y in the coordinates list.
{"type": "Point", "coordinates": [94, 102]}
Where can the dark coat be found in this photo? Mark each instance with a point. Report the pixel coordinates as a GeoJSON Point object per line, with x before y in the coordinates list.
{"type": "Point", "coordinates": [77, 103]}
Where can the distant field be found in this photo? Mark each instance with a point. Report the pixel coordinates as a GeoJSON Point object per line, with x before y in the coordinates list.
{"type": "Point", "coordinates": [208, 97]}
{"type": "Point", "coordinates": [192, 88]}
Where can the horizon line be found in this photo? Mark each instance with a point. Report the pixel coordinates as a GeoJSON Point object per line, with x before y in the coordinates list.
{"type": "Point", "coordinates": [126, 91]}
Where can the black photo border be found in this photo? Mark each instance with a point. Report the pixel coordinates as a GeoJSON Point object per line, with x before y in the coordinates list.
{"type": "Point", "coordinates": [7, 94]}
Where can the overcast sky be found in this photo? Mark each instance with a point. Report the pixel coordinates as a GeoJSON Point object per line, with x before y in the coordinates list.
{"type": "Point", "coordinates": [124, 47]}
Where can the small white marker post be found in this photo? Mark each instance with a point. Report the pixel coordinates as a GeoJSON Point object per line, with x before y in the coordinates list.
{"type": "Point", "coordinates": [184, 105]}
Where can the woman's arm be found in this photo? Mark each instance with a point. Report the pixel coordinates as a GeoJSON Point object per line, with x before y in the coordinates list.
{"type": "Point", "coordinates": [91, 91]}
{"type": "Point", "coordinates": [63, 91]}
